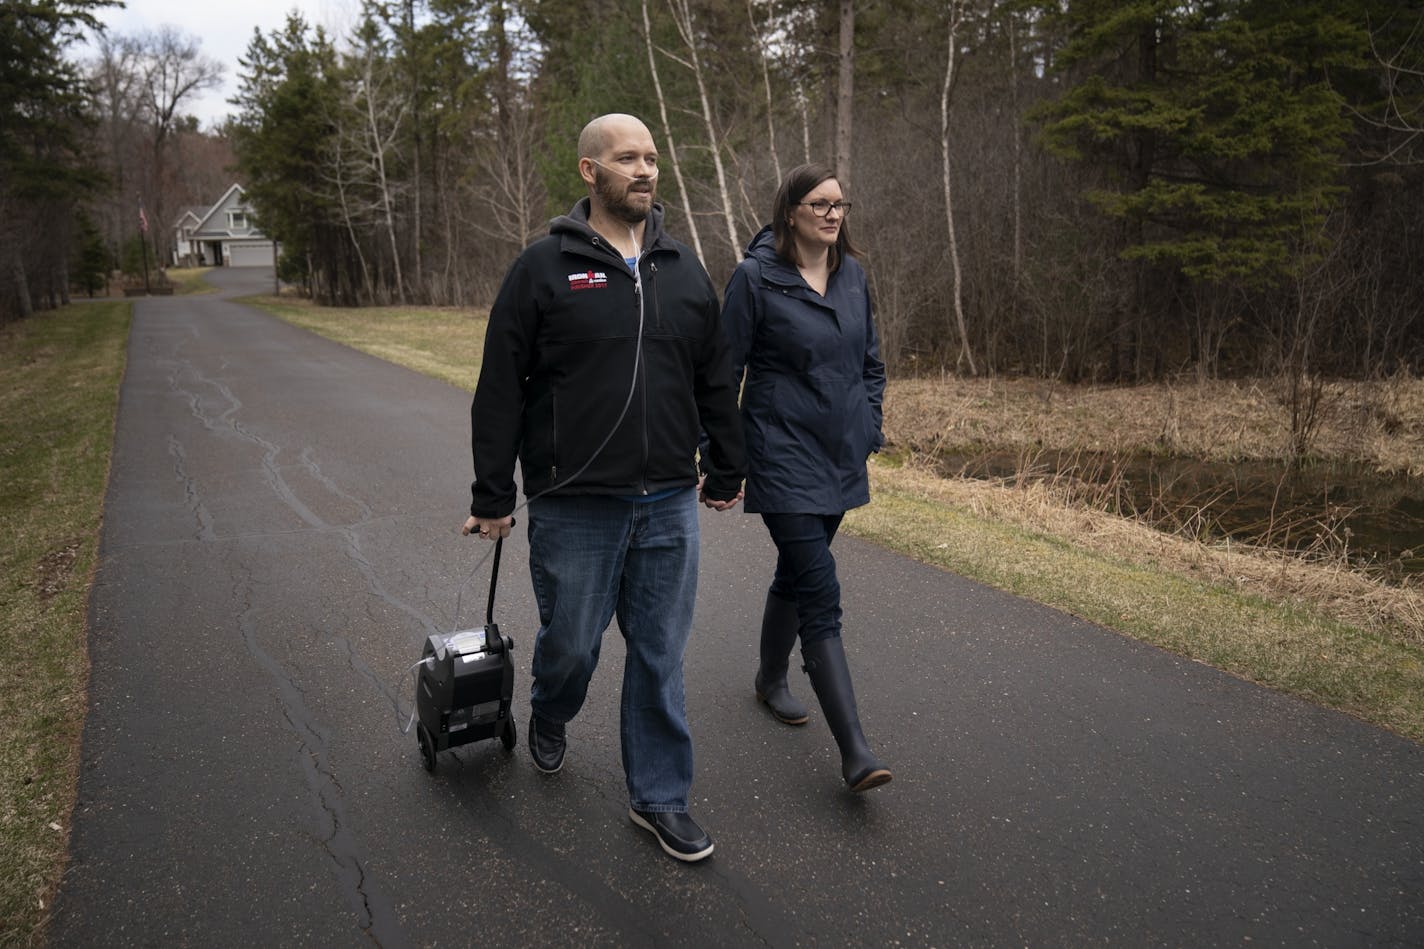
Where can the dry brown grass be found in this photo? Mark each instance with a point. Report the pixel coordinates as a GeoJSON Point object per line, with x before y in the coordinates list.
{"type": "Point", "coordinates": [1054, 509]}
{"type": "Point", "coordinates": [1379, 423]}
{"type": "Point", "coordinates": [1274, 622]}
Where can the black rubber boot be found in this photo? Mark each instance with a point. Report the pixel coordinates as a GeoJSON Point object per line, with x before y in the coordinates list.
{"type": "Point", "coordinates": [830, 677]}
{"type": "Point", "coordinates": [778, 636]}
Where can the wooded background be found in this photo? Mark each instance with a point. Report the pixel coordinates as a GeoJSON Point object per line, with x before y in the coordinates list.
{"type": "Point", "coordinates": [1079, 189]}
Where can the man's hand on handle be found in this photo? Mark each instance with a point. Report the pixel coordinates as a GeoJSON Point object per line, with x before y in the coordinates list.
{"type": "Point", "coordinates": [490, 528]}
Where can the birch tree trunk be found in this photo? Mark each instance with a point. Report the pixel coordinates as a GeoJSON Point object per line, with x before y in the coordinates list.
{"type": "Point", "coordinates": [24, 306]}
{"type": "Point", "coordinates": [804, 107]}
{"type": "Point", "coordinates": [845, 93]}
{"type": "Point", "coordinates": [956, 16]}
{"type": "Point", "coordinates": [682, 17]}
{"type": "Point", "coordinates": [378, 146]}
{"type": "Point", "coordinates": [766, 84]}
{"type": "Point", "coordinates": [340, 182]}
{"type": "Point", "coordinates": [667, 131]}
{"type": "Point", "coordinates": [418, 128]}
{"type": "Point", "coordinates": [1016, 196]}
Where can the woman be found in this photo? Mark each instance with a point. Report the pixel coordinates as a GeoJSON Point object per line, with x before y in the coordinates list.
{"type": "Point", "coordinates": [797, 314]}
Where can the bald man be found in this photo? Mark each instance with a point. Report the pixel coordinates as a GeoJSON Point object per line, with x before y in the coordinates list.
{"type": "Point", "coordinates": [603, 362]}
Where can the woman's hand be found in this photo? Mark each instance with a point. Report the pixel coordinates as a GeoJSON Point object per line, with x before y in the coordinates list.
{"type": "Point", "coordinates": [717, 505]}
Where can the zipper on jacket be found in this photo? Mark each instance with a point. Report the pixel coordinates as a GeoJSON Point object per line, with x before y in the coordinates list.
{"type": "Point", "coordinates": [600, 244]}
{"type": "Point", "coordinates": [643, 372]}
{"type": "Point", "coordinates": [554, 440]}
{"type": "Point", "coordinates": [657, 304]}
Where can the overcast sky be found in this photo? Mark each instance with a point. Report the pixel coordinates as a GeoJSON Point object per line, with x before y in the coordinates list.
{"type": "Point", "coordinates": [223, 30]}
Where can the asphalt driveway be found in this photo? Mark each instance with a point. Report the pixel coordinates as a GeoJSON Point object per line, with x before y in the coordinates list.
{"type": "Point", "coordinates": [280, 536]}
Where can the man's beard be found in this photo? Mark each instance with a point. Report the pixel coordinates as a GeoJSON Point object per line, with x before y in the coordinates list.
{"type": "Point", "coordinates": [615, 202]}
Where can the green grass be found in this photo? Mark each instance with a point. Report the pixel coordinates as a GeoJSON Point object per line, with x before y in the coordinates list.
{"type": "Point", "coordinates": [444, 343]}
{"type": "Point", "coordinates": [61, 370]}
{"type": "Point", "coordinates": [189, 280]}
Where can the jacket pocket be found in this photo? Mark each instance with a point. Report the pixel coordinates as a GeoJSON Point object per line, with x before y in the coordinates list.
{"type": "Point", "coordinates": [554, 438]}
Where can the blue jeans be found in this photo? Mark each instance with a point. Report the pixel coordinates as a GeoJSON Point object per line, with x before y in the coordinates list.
{"type": "Point", "coordinates": [592, 558]}
{"type": "Point", "coordinates": [806, 571]}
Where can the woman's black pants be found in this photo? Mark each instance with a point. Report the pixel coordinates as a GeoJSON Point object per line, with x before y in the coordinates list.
{"type": "Point", "coordinates": [806, 571]}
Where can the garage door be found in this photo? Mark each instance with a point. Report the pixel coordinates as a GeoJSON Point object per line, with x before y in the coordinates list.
{"type": "Point", "coordinates": [255, 254]}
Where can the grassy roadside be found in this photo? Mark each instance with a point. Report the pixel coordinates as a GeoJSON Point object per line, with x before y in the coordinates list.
{"type": "Point", "coordinates": [61, 370]}
{"type": "Point", "coordinates": [189, 280]}
{"type": "Point", "coordinates": [1232, 610]}
{"type": "Point", "coordinates": [441, 342]}
{"type": "Point", "coordinates": [1311, 630]}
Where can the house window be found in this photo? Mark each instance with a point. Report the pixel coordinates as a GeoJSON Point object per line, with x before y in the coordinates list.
{"type": "Point", "coordinates": [237, 220]}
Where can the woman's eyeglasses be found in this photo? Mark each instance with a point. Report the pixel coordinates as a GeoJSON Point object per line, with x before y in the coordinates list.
{"type": "Point", "coordinates": [822, 208]}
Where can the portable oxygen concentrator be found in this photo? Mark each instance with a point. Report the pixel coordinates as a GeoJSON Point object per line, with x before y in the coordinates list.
{"type": "Point", "coordinates": [465, 686]}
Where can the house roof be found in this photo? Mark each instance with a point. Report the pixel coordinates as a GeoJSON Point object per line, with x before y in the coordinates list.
{"type": "Point", "coordinates": [194, 211]}
{"type": "Point", "coordinates": [211, 225]}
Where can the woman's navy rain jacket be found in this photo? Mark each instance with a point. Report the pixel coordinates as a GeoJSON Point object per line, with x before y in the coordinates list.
{"type": "Point", "coordinates": [814, 382]}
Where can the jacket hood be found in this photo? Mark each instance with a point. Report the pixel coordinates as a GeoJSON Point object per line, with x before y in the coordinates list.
{"type": "Point", "coordinates": [773, 267]}
{"type": "Point", "coordinates": [575, 223]}
{"type": "Point", "coordinates": [762, 246]}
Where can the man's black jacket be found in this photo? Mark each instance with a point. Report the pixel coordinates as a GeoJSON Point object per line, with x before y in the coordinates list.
{"type": "Point", "coordinates": [562, 357]}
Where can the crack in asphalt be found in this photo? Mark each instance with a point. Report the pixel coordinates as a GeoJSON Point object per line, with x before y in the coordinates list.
{"type": "Point", "coordinates": [309, 463]}
{"type": "Point", "coordinates": [191, 496]}
{"type": "Point", "coordinates": [276, 480]}
{"type": "Point", "coordinates": [376, 916]}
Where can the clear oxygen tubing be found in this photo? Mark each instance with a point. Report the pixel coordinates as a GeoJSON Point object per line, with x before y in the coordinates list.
{"type": "Point", "coordinates": [632, 390]}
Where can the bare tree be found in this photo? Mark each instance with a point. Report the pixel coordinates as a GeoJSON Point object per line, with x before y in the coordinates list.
{"type": "Point", "coordinates": [504, 178]}
{"type": "Point", "coordinates": [1401, 115]}
{"type": "Point", "coordinates": [174, 72]}
{"type": "Point", "coordinates": [686, 29]}
{"type": "Point", "coordinates": [353, 210]}
{"type": "Point", "coordinates": [845, 92]}
{"type": "Point", "coordinates": [667, 131]}
{"type": "Point", "coordinates": [1017, 182]}
{"type": "Point", "coordinates": [382, 115]}
{"type": "Point", "coordinates": [803, 108]}
{"type": "Point", "coordinates": [762, 58]}
{"type": "Point", "coordinates": [117, 76]}
{"type": "Point", "coordinates": [956, 18]}
{"type": "Point", "coordinates": [413, 66]}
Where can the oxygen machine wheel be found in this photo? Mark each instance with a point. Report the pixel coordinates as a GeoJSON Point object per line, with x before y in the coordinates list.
{"type": "Point", "coordinates": [510, 735]}
{"type": "Point", "coordinates": [427, 748]}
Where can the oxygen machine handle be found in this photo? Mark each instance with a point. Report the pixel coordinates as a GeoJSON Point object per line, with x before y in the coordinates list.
{"type": "Point", "coordinates": [494, 581]}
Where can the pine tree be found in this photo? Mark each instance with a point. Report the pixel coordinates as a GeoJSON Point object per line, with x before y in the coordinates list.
{"type": "Point", "coordinates": [45, 111]}
{"type": "Point", "coordinates": [288, 100]}
{"type": "Point", "coordinates": [1216, 124]}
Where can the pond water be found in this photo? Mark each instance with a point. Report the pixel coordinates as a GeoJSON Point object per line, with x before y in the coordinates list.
{"type": "Point", "coordinates": [1374, 519]}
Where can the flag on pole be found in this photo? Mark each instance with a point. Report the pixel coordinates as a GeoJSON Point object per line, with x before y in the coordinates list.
{"type": "Point", "coordinates": [142, 220]}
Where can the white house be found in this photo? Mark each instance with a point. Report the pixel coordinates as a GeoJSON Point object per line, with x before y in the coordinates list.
{"type": "Point", "coordinates": [185, 250]}
{"type": "Point", "coordinates": [223, 235]}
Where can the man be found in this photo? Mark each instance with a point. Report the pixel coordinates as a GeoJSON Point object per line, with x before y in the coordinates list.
{"type": "Point", "coordinates": [603, 359]}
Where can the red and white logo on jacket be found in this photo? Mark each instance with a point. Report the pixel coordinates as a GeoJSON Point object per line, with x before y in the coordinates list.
{"type": "Point", "coordinates": [588, 280]}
